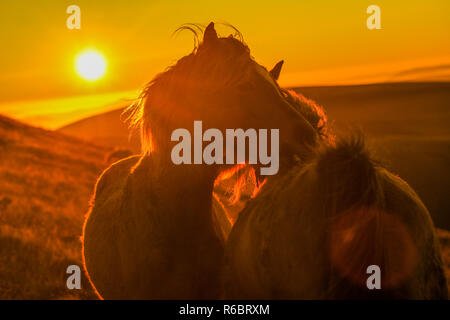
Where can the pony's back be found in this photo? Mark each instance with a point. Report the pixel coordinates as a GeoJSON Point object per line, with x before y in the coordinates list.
{"type": "Point", "coordinates": [316, 232]}
{"type": "Point", "coordinates": [376, 219]}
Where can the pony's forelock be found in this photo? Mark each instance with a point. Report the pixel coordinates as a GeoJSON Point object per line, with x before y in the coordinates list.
{"type": "Point", "coordinates": [198, 30]}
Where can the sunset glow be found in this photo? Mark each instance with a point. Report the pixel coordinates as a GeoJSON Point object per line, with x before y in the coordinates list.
{"type": "Point", "coordinates": [120, 47]}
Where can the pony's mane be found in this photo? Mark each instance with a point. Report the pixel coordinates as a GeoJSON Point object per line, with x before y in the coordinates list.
{"type": "Point", "coordinates": [310, 110]}
{"type": "Point", "coordinates": [347, 173]}
{"type": "Point", "coordinates": [207, 69]}
{"type": "Point", "coordinates": [198, 30]}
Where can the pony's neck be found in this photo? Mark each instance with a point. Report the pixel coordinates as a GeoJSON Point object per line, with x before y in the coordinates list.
{"type": "Point", "coordinates": [182, 192]}
{"type": "Point", "coordinates": [185, 181]}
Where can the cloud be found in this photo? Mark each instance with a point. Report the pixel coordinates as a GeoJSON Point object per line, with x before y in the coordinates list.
{"type": "Point", "coordinates": [424, 73]}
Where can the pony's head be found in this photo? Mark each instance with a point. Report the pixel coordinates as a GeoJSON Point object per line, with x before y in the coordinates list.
{"type": "Point", "coordinates": [234, 187]}
{"type": "Point", "coordinates": [220, 84]}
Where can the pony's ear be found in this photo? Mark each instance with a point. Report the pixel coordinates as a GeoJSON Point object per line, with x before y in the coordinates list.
{"type": "Point", "coordinates": [275, 72]}
{"type": "Point", "coordinates": [210, 34]}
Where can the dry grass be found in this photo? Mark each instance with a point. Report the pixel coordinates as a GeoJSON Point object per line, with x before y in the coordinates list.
{"type": "Point", "coordinates": [46, 181]}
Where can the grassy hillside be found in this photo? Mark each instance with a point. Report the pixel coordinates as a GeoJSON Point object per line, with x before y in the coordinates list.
{"type": "Point", "coordinates": [46, 179]}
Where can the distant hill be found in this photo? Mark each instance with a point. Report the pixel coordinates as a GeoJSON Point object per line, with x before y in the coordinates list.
{"type": "Point", "coordinates": [387, 109]}
{"type": "Point", "coordinates": [107, 129]}
{"type": "Point", "coordinates": [408, 126]}
{"type": "Point", "coordinates": [46, 180]}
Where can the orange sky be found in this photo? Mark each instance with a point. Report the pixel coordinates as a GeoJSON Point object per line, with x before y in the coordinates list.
{"type": "Point", "coordinates": [322, 42]}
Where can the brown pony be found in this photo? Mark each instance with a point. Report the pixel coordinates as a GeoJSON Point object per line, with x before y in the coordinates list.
{"type": "Point", "coordinates": [314, 232]}
{"type": "Point", "coordinates": [235, 187]}
{"type": "Point", "coordinates": [151, 232]}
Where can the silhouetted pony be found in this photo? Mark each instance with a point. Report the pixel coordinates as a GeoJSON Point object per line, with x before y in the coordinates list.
{"type": "Point", "coordinates": [314, 233]}
{"type": "Point", "coordinates": [234, 188]}
{"type": "Point", "coordinates": [151, 232]}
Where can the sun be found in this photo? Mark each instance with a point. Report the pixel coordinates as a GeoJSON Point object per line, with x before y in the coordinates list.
{"type": "Point", "coordinates": [90, 65]}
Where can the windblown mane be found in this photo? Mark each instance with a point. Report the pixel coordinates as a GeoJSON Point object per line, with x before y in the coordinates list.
{"type": "Point", "coordinates": [205, 70]}
{"type": "Point", "coordinates": [310, 110]}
